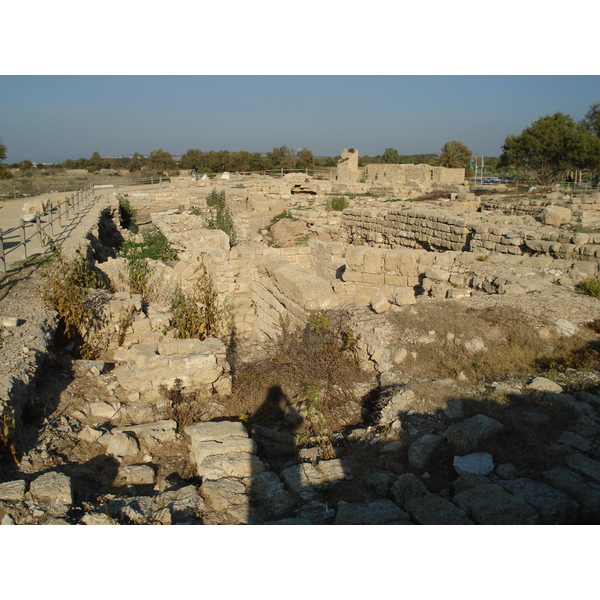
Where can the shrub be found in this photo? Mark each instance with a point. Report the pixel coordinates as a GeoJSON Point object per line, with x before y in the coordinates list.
{"type": "Point", "coordinates": [317, 364]}
{"type": "Point", "coordinates": [127, 214]}
{"type": "Point", "coordinates": [186, 407]}
{"type": "Point", "coordinates": [198, 315]}
{"type": "Point", "coordinates": [67, 290]}
{"type": "Point", "coordinates": [221, 217]}
{"type": "Point", "coordinates": [336, 203]}
{"type": "Point", "coordinates": [153, 245]}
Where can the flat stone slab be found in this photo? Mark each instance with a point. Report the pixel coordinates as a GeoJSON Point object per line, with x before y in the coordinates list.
{"type": "Point", "coordinates": [491, 504]}
{"type": "Point", "coordinates": [435, 510]}
{"type": "Point", "coordinates": [380, 512]}
{"type": "Point", "coordinates": [554, 506]}
{"type": "Point", "coordinates": [235, 464]}
{"type": "Point", "coordinates": [334, 470]}
{"type": "Point", "coordinates": [13, 491]}
{"type": "Point", "coordinates": [201, 450]}
{"type": "Point", "coordinates": [586, 495]}
{"type": "Point", "coordinates": [137, 475]}
{"type": "Point", "coordinates": [215, 431]}
{"type": "Point", "coordinates": [160, 431]}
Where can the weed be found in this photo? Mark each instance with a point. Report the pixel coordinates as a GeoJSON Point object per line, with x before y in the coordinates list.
{"type": "Point", "coordinates": [198, 314]}
{"type": "Point", "coordinates": [186, 408]}
{"type": "Point", "coordinates": [138, 272]}
{"type": "Point", "coordinates": [589, 287]}
{"type": "Point", "coordinates": [512, 346]}
{"type": "Point", "coordinates": [154, 245]}
{"type": "Point", "coordinates": [7, 425]}
{"type": "Point", "coordinates": [483, 258]}
{"type": "Point", "coordinates": [317, 364]}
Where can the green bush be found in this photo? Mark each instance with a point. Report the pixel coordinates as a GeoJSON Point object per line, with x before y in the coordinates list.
{"type": "Point", "coordinates": [590, 287]}
{"type": "Point", "coordinates": [67, 291]}
{"type": "Point", "coordinates": [198, 315]}
{"type": "Point", "coordinates": [336, 203]}
{"type": "Point", "coordinates": [127, 214]}
{"type": "Point", "coordinates": [221, 217]}
{"type": "Point", "coordinates": [154, 245]}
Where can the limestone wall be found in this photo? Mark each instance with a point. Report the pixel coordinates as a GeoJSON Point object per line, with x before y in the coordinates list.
{"type": "Point", "coordinates": [422, 176]}
{"type": "Point", "coordinates": [433, 228]}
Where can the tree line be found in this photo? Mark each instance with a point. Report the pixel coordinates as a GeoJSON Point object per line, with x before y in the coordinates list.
{"type": "Point", "coordinates": [546, 150]}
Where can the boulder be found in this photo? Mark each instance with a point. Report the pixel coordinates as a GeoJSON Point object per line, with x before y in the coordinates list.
{"type": "Point", "coordinates": [467, 436]}
{"type": "Point", "coordinates": [122, 444]}
{"type": "Point", "coordinates": [477, 464]}
{"type": "Point", "coordinates": [52, 487]}
{"type": "Point", "coordinates": [556, 215]}
{"type": "Point", "coordinates": [13, 491]}
{"type": "Point", "coordinates": [421, 451]}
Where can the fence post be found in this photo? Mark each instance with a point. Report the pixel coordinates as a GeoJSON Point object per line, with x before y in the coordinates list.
{"type": "Point", "coordinates": [23, 239]}
{"type": "Point", "coordinates": [2, 259]}
{"type": "Point", "coordinates": [38, 223]}
{"type": "Point", "coordinates": [51, 217]}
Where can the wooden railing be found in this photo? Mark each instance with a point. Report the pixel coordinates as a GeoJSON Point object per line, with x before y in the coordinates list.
{"type": "Point", "coordinates": [54, 219]}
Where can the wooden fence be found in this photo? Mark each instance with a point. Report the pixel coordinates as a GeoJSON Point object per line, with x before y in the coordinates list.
{"type": "Point", "coordinates": [34, 228]}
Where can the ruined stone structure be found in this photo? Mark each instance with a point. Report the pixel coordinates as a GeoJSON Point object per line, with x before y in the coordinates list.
{"type": "Point", "coordinates": [375, 257]}
{"type": "Point", "coordinates": [347, 168]}
{"type": "Point", "coordinates": [422, 177]}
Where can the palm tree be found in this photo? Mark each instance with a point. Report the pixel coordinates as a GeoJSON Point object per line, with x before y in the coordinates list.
{"type": "Point", "coordinates": [454, 155]}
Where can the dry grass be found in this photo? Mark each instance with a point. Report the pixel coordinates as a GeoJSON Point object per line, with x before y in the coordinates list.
{"type": "Point", "coordinates": [483, 345]}
{"type": "Point", "coordinates": [316, 365]}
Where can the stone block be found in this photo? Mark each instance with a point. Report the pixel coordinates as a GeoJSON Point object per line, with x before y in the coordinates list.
{"type": "Point", "coordinates": [434, 510]}
{"type": "Point", "coordinates": [491, 504]}
{"type": "Point", "coordinates": [13, 491]}
{"type": "Point", "coordinates": [52, 487]}
{"type": "Point", "coordinates": [379, 512]}
{"type": "Point", "coordinates": [467, 436]}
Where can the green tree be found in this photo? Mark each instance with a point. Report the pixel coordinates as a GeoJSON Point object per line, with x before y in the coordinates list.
{"type": "Point", "coordinates": [5, 172]}
{"type": "Point", "coordinates": [136, 163]}
{"type": "Point", "coordinates": [592, 120]}
{"type": "Point", "coordinates": [551, 146]}
{"type": "Point", "coordinates": [454, 155]}
{"type": "Point", "coordinates": [391, 156]}
{"type": "Point", "coordinates": [162, 163]}
{"type": "Point", "coordinates": [306, 159]}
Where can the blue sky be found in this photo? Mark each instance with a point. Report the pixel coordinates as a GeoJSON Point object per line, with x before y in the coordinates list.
{"type": "Point", "coordinates": [51, 118]}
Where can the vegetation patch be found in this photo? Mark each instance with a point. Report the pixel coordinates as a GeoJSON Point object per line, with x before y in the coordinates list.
{"type": "Point", "coordinates": [127, 214]}
{"type": "Point", "coordinates": [316, 365]}
{"type": "Point", "coordinates": [68, 291]}
{"type": "Point", "coordinates": [220, 216]}
{"type": "Point", "coordinates": [337, 203]}
{"type": "Point", "coordinates": [589, 287]}
{"type": "Point", "coordinates": [199, 315]}
{"type": "Point", "coordinates": [492, 344]}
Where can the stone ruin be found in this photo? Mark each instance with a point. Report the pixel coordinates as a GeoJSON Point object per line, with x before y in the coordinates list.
{"type": "Point", "coordinates": [376, 256]}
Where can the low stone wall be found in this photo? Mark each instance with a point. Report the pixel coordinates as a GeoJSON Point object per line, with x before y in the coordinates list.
{"type": "Point", "coordinates": [434, 228]}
